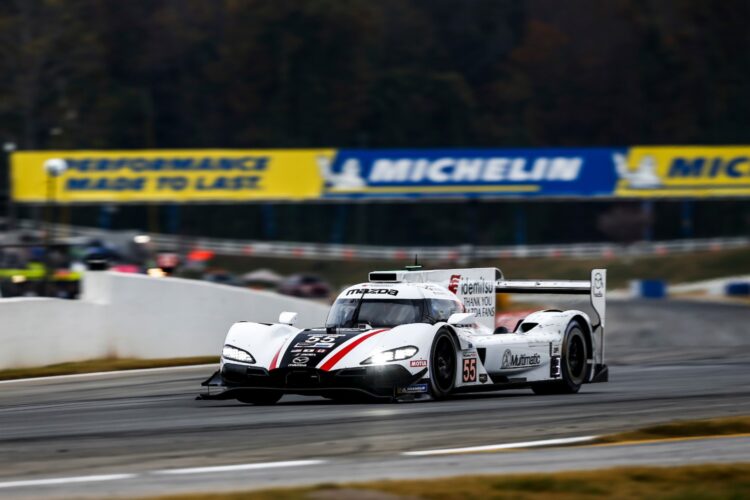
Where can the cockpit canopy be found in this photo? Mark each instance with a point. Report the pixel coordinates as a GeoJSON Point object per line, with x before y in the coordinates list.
{"type": "Point", "coordinates": [351, 312]}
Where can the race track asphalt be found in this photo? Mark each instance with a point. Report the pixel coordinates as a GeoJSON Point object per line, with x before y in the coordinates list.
{"type": "Point", "coordinates": [131, 428]}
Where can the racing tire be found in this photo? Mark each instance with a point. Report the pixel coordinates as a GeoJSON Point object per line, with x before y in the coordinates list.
{"type": "Point", "coordinates": [443, 362]}
{"type": "Point", "coordinates": [259, 397]}
{"type": "Point", "coordinates": [573, 364]}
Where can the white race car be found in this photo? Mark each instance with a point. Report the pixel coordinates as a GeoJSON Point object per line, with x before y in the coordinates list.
{"type": "Point", "coordinates": [415, 334]}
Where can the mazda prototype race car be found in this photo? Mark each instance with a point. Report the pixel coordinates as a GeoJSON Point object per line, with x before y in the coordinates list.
{"type": "Point", "coordinates": [416, 334]}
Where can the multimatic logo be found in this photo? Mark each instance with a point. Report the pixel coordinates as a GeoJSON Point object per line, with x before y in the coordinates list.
{"type": "Point", "coordinates": [511, 360]}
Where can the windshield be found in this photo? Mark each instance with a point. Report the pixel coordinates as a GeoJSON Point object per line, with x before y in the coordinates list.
{"type": "Point", "coordinates": [441, 310]}
{"type": "Point", "coordinates": [378, 312]}
{"type": "Point", "coordinates": [390, 312]}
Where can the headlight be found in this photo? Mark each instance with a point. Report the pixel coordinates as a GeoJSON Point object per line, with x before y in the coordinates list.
{"type": "Point", "coordinates": [397, 354]}
{"type": "Point", "coordinates": [236, 354]}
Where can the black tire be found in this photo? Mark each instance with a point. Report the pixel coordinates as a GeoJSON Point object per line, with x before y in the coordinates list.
{"type": "Point", "coordinates": [259, 397]}
{"type": "Point", "coordinates": [443, 363]}
{"type": "Point", "coordinates": [573, 364]}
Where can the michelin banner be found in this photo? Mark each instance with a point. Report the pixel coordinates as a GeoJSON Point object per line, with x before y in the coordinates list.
{"type": "Point", "coordinates": [470, 173]}
{"type": "Point", "coordinates": [350, 174]}
{"type": "Point", "coordinates": [170, 176]}
{"type": "Point", "coordinates": [635, 172]}
{"type": "Point", "coordinates": [679, 171]}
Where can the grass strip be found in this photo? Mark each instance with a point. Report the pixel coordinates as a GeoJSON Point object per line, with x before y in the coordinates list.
{"type": "Point", "coordinates": [102, 365]}
{"type": "Point", "coordinates": [695, 482]}
{"type": "Point", "coordinates": [727, 426]}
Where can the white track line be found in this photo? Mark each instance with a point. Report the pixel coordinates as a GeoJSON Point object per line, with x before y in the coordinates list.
{"type": "Point", "coordinates": [232, 468]}
{"type": "Point", "coordinates": [195, 470]}
{"type": "Point", "coordinates": [494, 447]}
{"type": "Point", "coordinates": [65, 480]}
{"type": "Point", "coordinates": [103, 374]}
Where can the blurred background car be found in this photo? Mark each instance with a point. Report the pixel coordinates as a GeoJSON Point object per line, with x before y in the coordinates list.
{"type": "Point", "coordinates": [305, 285]}
{"type": "Point", "coordinates": [222, 277]}
{"type": "Point", "coordinates": [262, 279]}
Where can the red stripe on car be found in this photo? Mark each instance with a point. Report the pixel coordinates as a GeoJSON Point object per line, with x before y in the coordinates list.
{"type": "Point", "coordinates": [276, 358]}
{"type": "Point", "coordinates": [347, 349]}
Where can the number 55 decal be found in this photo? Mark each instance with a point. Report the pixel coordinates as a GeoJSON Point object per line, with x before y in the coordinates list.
{"type": "Point", "coordinates": [470, 370]}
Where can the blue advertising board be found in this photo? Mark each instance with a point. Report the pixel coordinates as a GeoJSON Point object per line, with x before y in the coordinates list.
{"type": "Point", "coordinates": [395, 173]}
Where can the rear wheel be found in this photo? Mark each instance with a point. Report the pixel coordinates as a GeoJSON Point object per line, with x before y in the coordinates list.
{"type": "Point", "coordinates": [442, 365]}
{"type": "Point", "coordinates": [573, 364]}
{"type": "Point", "coordinates": [259, 397]}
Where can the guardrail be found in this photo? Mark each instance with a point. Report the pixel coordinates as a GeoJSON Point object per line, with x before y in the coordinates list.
{"type": "Point", "coordinates": [462, 253]}
{"type": "Point", "coordinates": [458, 253]}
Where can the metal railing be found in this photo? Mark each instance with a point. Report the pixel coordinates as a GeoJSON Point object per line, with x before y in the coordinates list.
{"type": "Point", "coordinates": [459, 253]}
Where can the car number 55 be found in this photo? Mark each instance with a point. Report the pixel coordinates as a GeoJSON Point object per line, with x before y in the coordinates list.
{"type": "Point", "coordinates": [470, 370]}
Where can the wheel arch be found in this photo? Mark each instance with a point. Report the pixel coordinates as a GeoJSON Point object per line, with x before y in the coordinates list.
{"type": "Point", "coordinates": [261, 340]}
{"type": "Point", "coordinates": [452, 331]}
{"type": "Point", "coordinates": [586, 327]}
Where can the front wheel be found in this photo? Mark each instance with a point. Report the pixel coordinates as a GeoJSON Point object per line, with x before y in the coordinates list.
{"type": "Point", "coordinates": [573, 364]}
{"type": "Point", "coordinates": [442, 365]}
{"type": "Point", "coordinates": [259, 397]}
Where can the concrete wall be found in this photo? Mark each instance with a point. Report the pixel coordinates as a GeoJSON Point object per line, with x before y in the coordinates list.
{"type": "Point", "coordinates": [135, 316]}
{"type": "Point", "coordinates": [40, 331]}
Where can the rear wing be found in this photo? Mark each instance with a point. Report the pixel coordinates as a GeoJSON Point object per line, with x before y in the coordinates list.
{"type": "Point", "coordinates": [477, 289]}
{"type": "Point", "coordinates": [595, 288]}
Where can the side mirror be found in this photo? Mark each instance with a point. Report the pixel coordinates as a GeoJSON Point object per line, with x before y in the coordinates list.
{"type": "Point", "coordinates": [288, 318]}
{"type": "Point", "coordinates": [462, 319]}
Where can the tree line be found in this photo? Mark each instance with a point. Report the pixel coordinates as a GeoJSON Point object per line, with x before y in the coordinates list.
{"type": "Point", "coordinates": [363, 73]}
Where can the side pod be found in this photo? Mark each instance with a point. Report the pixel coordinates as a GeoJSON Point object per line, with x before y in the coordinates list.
{"type": "Point", "coordinates": [595, 288]}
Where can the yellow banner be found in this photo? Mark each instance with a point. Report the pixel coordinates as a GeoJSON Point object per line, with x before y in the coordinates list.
{"type": "Point", "coordinates": [694, 171]}
{"type": "Point", "coordinates": [170, 176]}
